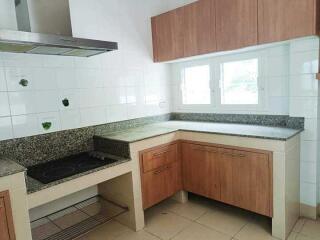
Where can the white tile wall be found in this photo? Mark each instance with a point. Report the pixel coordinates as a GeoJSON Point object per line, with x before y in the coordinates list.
{"type": "Point", "coordinates": [4, 104]}
{"type": "Point", "coordinates": [308, 195]}
{"type": "Point", "coordinates": [111, 87]}
{"type": "Point", "coordinates": [5, 128]}
{"type": "Point", "coordinates": [304, 95]}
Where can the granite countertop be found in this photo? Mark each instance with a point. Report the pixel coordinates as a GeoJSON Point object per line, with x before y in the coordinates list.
{"type": "Point", "coordinates": [9, 167]}
{"type": "Point", "coordinates": [242, 130]}
{"type": "Point", "coordinates": [34, 185]}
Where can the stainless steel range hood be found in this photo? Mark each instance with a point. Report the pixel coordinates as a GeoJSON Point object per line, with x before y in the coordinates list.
{"type": "Point", "coordinates": [36, 25]}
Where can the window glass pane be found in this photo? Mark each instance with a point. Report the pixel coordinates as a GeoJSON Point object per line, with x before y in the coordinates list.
{"type": "Point", "coordinates": [196, 85]}
{"type": "Point", "coordinates": [239, 82]}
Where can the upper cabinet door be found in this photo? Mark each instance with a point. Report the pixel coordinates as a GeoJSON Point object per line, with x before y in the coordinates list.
{"type": "Point", "coordinates": [167, 34]}
{"type": "Point", "coordinates": [199, 28]}
{"type": "Point", "coordinates": [281, 20]}
{"type": "Point", "coordinates": [236, 23]}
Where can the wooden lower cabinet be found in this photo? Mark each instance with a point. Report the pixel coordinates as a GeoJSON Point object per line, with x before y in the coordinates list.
{"type": "Point", "coordinates": [245, 179]}
{"type": "Point", "coordinates": [6, 221]}
{"type": "Point", "coordinates": [236, 176]}
{"type": "Point", "coordinates": [164, 178]}
{"type": "Point", "coordinates": [200, 170]}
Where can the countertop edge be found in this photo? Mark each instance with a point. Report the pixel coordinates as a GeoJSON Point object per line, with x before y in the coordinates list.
{"type": "Point", "coordinates": [11, 167]}
{"type": "Point", "coordinates": [199, 131]}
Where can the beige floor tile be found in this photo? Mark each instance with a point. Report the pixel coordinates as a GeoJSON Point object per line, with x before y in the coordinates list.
{"type": "Point", "coordinates": [292, 236]}
{"type": "Point", "coordinates": [191, 210]}
{"type": "Point", "coordinates": [161, 208]}
{"type": "Point", "coordinates": [141, 235]}
{"type": "Point", "coordinates": [199, 232]}
{"type": "Point", "coordinates": [311, 229]}
{"type": "Point", "coordinates": [257, 229]}
{"type": "Point", "coordinates": [299, 225]}
{"type": "Point", "coordinates": [165, 225]}
{"type": "Point", "coordinates": [108, 231]}
{"type": "Point", "coordinates": [227, 222]}
{"type": "Point", "coordinates": [302, 237]}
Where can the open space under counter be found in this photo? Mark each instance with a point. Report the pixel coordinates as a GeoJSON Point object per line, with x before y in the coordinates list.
{"type": "Point", "coordinates": [113, 186]}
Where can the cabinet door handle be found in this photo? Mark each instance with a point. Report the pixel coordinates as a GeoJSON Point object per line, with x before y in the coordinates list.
{"type": "Point", "coordinates": [159, 153]}
{"type": "Point", "coordinates": [228, 154]}
{"type": "Point", "coordinates": [162, 170]}
{"type": "Point", "coordinates": [240, 155]}
{"type": "Point", "coordinates": [234, 155]}
{"type": "Point", "coordinates": [157, 172]}
{"type": "Point", "coordinates": [205, 150]}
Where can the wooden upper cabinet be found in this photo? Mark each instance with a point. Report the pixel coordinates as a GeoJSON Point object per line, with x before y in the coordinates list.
{"type": "Point", "coordinates": [167, 35]}
{"type": "Point", "coordinates": [281, 20]}
{"type": "Point", "coordinates": [199, 28]}
{"type": "Point", "coordinates": [6, 221]}
{"type": "Point", "coordinates": [207, 26]}
{"type": "Point", "coordinates": [236, 23]}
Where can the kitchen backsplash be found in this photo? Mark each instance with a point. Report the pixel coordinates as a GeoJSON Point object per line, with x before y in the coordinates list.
{"type": "Point", "coordinates": [254, 119]}
{"type": "Point", "coordinates": [42, 148]}
{"type": "Point", "coordinates": [41, 94]}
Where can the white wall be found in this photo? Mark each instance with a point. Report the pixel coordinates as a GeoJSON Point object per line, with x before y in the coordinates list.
{"type": "Point", "coordinates": [115, 86]}
{"type": "Point", "coordinates": [7, 15]}
{"type": "Point", "coordinates": [303, 96]}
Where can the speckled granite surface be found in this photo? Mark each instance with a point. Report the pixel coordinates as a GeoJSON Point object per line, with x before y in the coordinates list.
{"type": "Point", "coordinates": [251, 119]}
{"type": "Point", "coordinates": [33, 150]}
{"type": "Point", "coordinates": [29, 151]}
{"type": "Point", "coordinates": [242, 130]}
{"type": "Point", "coordinates": [9, 167]}
{"type": "Point", "coordinates": [118, 148]}
{"type": "Point", "coordinates": [33, 185]}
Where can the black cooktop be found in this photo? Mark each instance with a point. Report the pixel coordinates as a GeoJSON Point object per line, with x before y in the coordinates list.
{"type": "Point", "coordinates": [65, 167]}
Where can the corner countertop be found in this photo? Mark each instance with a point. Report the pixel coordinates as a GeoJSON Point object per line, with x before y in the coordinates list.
{"type": "Point", "coordinates": [9, 167]}
{"type": "Point", "coordinates": [242, 130]}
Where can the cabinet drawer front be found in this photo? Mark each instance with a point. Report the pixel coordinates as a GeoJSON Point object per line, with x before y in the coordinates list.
{"type": "Point", "coordinates": [157, 158]}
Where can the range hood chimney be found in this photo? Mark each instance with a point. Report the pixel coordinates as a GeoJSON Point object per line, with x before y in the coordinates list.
{"type": "Point", "coordinates": [44, 27]}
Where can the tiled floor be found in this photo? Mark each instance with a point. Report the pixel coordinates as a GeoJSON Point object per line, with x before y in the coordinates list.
{"type": "Point", "coordinates": [201, 219]}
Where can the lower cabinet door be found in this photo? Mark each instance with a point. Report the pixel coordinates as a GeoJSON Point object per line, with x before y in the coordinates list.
{"type": "Point", "coordinates": [200, 170]}
{"type": "Point", "coordinates": [173, 178]}
{"type": "Point", "coordinates": [154, 187]}
{"type": "Point", "coordinates": [246, 180]}
{"type": "Point", "coordinates": [161, 184]}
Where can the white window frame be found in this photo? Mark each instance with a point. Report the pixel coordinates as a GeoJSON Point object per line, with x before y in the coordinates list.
{"type": "Point", "coordinates": [215, 91]}
{"type": "Point", "coordinates": [261, 84]}
{"type": "Point", "coordinates": [179, 77]}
